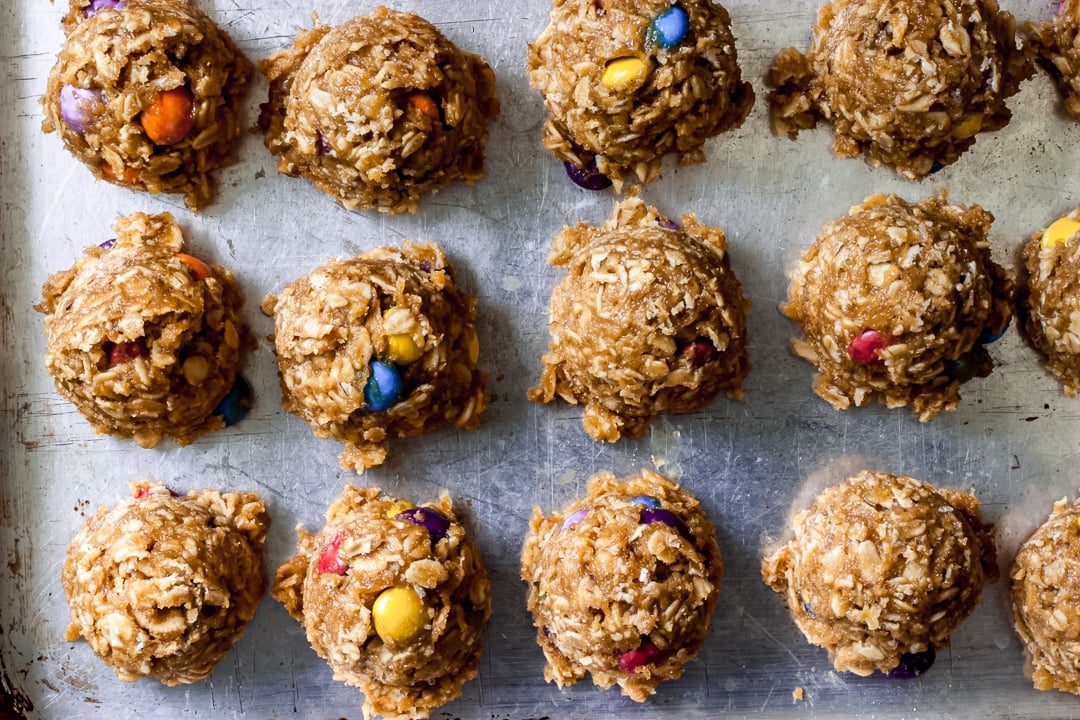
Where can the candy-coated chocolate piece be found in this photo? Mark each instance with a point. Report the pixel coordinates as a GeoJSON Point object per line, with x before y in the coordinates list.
{"type": "Point", "coordinates": [864, 348]}
{"type": "Point", "coordinates": [383, 387]}
{"type": "Point", "coordinates": [235, 406]}
{"type": "Point", "coordinates": [423, 102]}
{"type": "Point", "coordinates": [398, 507]}
{"type": "Point", "coordinates": [665, 223]}
{"type": "Point", "coordinates": [125, 352]}
{"type": "Point", "coordinates": [968, 127]}
{"type": "Point", "coordinates": [402, 349]}
{"type": "Point", "coordinates": [622, 73]}
{"type": "Point", "coordinates": [660, 515]}
{"type": "Point", "coordinates": [98, 5]}
{"type": "Point", "coordinates": [912, 665]}
{"type": "Point", "coordinates": [646, 654]}
{"type": "Point", "coordinates": [646, 500]}
{"type": "Point", "coordinates": [670, 27]}
{"type": "Point", "coordinates": [473, 345]}
{"type": "Point", "coordinates": [700, 352]}
{"type": "Point", "coordinates": [199, 269]}
{"type": "Point", "coordinates": [587, 177]}
{"type": "Point", "coordinates": [1060, 231]}
{"type": "Point", "coordinates": [399, 614]}
{"type": "Point", "coordinates": [323, 145]}
{"type": "Point", "coordinates": [936, 167]}
{"type": "Point", "coordinates": [329, 562]}
{"type": "Point", "coordinates": [170, 118]}
{"type": "Point", "coordinates": [107, 244]}
{"type": "Point", "coordinates": [989, 336]}
{"type": "Point", "coordinates": [80, 107]}
{"type": "Point", "coordinates": [434, 521]}
{"type": "Point", "coordinates": [574, 518]}
{"type": "Point", "coordinates": [965, 367]}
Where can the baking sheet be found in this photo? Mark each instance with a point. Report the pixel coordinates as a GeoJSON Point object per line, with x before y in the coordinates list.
{"type": "Point", "coordinates": [1014, 439]}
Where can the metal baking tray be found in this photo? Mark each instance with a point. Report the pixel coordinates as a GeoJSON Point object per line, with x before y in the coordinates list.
{"type": "Point", "coordinates": [1014, 438]}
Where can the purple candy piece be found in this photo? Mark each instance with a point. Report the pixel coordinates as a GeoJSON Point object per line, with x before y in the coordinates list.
{"type": "Point", "coordinates": [107, 244]}
{"type": "Point", "coordinates": [98, 5]}
{"type": "Point", "coordinates": [436, 523]}
{"type": "Point", "coordinates": [665, 223]}
{"type": "Point", "coordinates": [588, 177]}
{"type": "Point", "coordinates": [323, 145]}
{"type": "Point", "coordinates": [574, 518]}
{"type": "Point", "coordinates": [425, 266]}
{"type": "Point", "coordinates": [654, 515]}
{"type": "Point", "coordinates": [912, 665]}
{"type": "Point", "coordinates": [79, 107]}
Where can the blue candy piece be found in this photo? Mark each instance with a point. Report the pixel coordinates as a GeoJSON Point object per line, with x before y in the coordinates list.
{"type": "Point", "coordinates": [383, 387]}
{"type": "Point", "coordinates": [936, 167]}
{"type": "Point", "coordinates": [670, 27]}
{"type": "Point", "coordinates": [235, 406]}
{"type": "Point", "coordinates": [988, 337]}
{"type": "Point", "coordinates": [646, 500]}
{"type": "Point", "coordinates": [912, 665]}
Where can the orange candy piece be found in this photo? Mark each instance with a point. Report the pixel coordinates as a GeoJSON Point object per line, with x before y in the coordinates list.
{"type": "Point", "coordinates": [171, 117]}
{"type": "Point", "coordinates": [131, 176]}
{"type": "Point", "coordinates": [199, 269]}
{"type": "Point", "coordinates": [423, 102]}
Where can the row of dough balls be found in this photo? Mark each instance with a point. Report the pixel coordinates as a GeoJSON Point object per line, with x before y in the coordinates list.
{"type": "Point", "coordinates": [895, 300]}
{"type": "Point", "coordinates": [383, 108]}
{"type": "Point", "coordinates": [879, 571]}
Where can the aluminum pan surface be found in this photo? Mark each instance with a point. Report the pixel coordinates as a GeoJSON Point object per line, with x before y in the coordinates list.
{"type": "Point", "coordinates": [1014, 438]}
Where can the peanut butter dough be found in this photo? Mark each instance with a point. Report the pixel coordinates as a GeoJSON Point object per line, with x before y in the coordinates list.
{"type": "Point", "coordinates": [1056, 45]}
{"type": "Point", "coordinates": [143, 338]}
{"type": "Point", "coordinates": [162, 585]}
{"type": "Point", "coordinates": [1046, 600]}
{"type": "Point", "coordinates": [906, 83]}
{"type": "Point", "coordinates": [628, 81]}
{"type": "Point", "coordinates": [1049, 300]}
{"type": "Point", "coordinates": [377, 346]}
{"type": "Point", "coordinates": [145, 93]}
{"type": "Point", "coordinates": [898, 300]}
{"type": "Point", "coordinates": [394, 597]}
{"type": "Point", "coordinates": [882, 567]}
{"type": "Point", "coordinates": [378, 110]}
{"type": "Point", "coordinates": [649, 319]}
{"type": "Point", "coordinates": [622, 583]}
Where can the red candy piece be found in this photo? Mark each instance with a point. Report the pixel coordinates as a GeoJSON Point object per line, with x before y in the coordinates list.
{"type": "Point", "coordinates": [121, 353]}
{"type": "Point", "coordinates": [143, 491]}
{"type": "Point", "coordinates": [329, 562]}
{"type": "Point", "coordinates": [864, 348]}
{"type": "Point", "coordinates": [171, 117]}
{"type": "Point", "coordinates": [700, 352]}
{"type": "Point", "coordinates": [646, 654]}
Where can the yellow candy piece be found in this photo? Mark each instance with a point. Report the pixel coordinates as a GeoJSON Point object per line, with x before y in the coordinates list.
{"type": "Point", "coordinates": [402, 349]}
{"type": "Point", "coordinates": [1059, 232]}
{"type": "Point", "coordinates": [473, 344]}
{"type": "Point", "coordinates": [621, 73]}
{"type": "Point", "coordinates": [968, 127]}
{"type": "Point", "coordinates": [398, 507]}
{"type": "Point", "coordinates": [399, 614]}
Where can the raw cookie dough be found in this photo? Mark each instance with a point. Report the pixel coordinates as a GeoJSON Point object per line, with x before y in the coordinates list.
{"type": "Point", "coordinates": [1056, 45]}
{"type": "Point", "coordinates": [649, 319]}
{"type": "Point", "coordinates": [394, 597]}
{"type": "Point", "coordinates": [378, 346]}
{"type": "Point", "coordinates": [899, 300]}
{"type": "Point", "coordinates": [1048, 301]}
{"type": "Point", "coordinates": [378, 110]}
{"type": "Point", "coordinates": [145, 93]}
{"type": "Point", "coordinates": [143, 338]}
{"type": "Point", "coordinates": [1046, 600]}
{"type": "Point", "coordinates": [162, 585]}
{"type": "Point", "coordinates": [907, 83]}
{"type": "Point", "coordinates": [882, 567]}
{"type": "Point", "coordinates": [628, 81]}
{"type": "Point", "coordinates": [622, 583]}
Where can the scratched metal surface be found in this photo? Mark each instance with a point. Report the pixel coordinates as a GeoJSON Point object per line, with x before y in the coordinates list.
{"type": "Point", "coordinates": [1013, 439]}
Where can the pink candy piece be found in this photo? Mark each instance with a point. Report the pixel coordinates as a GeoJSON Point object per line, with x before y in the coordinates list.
{"type": "Point", "coordinates": [864, 348]}
{"type": "Point", "coordinates": [329, 562]}
{"type": "Point", "coordinates": [646, 654]}
{"type": "Point", "coordinates": [700, 352]}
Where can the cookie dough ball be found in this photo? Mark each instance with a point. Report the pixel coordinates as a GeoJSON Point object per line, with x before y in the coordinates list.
{"type": "Point", "coordinates": [394, 597]}
{"type": "Point", "coordinates": [628, 81]}
{"type": "Point", "coordinates": [378, 346]}
{"type": "Point", "coordinates": [378, 110]}
{"type": "Point", "coordinates": [145, 93]}
{"type": "Point", "coordinates": [899, 300]}
{"type": "Point", "coordinates": [882, 569]}
{"type": "Point", "coordinates": [1056, 45]}
{"type": "Point", "coordinates": [143, 338]}
{"type": "Point", "coordinates": [622, 583]}
{"type": "Point", "coordinates": [162, 585]}
{"type": "Point", "coordinates": [906, 83]}
{"type": "Point", "coordinates": [1046, 600]}
{"type": "Point", "coordinates": [649, 319]}
{"type": "Point", "coordinates": [1049, 298]}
